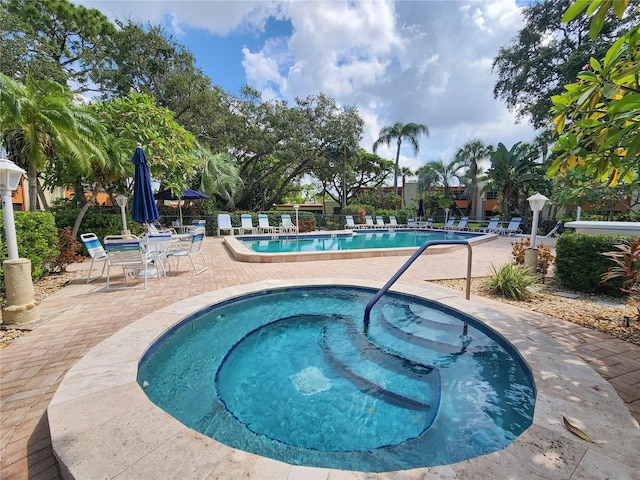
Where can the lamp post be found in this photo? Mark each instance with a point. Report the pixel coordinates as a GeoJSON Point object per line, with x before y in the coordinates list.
{"type": "Point", "coordinates": [121, 200]}
{"type": "Point", "coordinates": [21, 305]}
{"type": "Point", "coordinates": [296, 207]}
{"type": "Point", "coordinates": [446, 215]}
{"type": "Point", "coordinates": [536, 202]}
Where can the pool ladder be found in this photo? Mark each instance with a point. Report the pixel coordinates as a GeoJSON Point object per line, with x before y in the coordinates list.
{"type": "Point", "coordinates": [407, 264]}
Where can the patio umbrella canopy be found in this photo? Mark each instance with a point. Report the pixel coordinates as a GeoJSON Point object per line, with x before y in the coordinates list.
{"type": "Point", "coordinates": [421, 209]}
{"type": "Point", "coordinates": [187, 194]}
{"type": "Point", "coordinates": [143, 207]}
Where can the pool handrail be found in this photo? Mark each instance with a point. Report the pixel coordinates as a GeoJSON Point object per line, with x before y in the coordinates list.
{"type": "Point", "coordinates": [407, 264]}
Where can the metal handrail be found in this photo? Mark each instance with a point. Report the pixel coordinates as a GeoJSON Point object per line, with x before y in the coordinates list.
{"type": "Point", "coordinates": [417, 253]}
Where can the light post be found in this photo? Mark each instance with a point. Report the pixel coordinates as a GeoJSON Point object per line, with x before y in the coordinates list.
{"type": "Point", "coordinates": [446, 215]}
{"type": "Point", "coordinates": [121, 200]}
{"type": "Point", "coordinates": [296, 207]}
{"type": "Point", "coordinates": [536, 202]}
{"type": "Point", "coordinates": [21, 305]}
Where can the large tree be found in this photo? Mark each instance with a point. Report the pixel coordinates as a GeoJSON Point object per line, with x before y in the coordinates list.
{"type": "Point", "coordinates": [441, 174]}
{"type": "Point", "coordinates": [397, 133]}
{"type": "Point", "coordinates": [54, 40]}
{"type": "Point", "coordinates": [472, 153]}
{"type": "Point", "coordinates": [39, 122]}
{"type": "Point", "coordinates": [547, 54]}
{"type": "Point", "coordinates": [598, 117]}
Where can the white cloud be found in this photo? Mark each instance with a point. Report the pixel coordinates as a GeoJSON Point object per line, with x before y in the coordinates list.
{"type": "Point", "coordinates": [420, 61]}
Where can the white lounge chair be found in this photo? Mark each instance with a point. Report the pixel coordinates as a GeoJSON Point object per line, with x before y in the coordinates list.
{"type": "Point", "coordinates": [194, 248]}
{"type": "Point", "coordinates": [263, 224]}
{"type": "Point", "coordinates": [463, 224]}
{"type": "Point", "coordinates": [450, 225]}
{"type": "Point", "coordinates": [492, 227]}
{"type": "Point", "coordinates": [393, 223]}
{"type": "Point", "coordinates": [246, 224]}
{"type": "Point", "coordinates": [224, 224]}
{"type": "Point", "coordinates": [513, 227]}
{"type": "Point", "coordinates": [412, 223]}
{"type": "Point", "coordinates": [380, 222]}
{"type": "Point", "coordinates": [369, 222]}
{"type": "Point", "coordinates": [350, 225]}
{"type": "Point", "coordinates": [287, 224]}
{"type": "Point", "coordinates": [554, 231]}
{"type": "Point", "coordinates": [96, 251]}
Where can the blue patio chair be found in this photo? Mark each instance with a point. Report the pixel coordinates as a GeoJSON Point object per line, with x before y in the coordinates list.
{"type": "Point", "coordinates": [96, 251]}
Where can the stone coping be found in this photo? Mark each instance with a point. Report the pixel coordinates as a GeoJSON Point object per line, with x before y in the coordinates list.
{"type": "Point", "coordinates": [244, 254]}
{"type": "Point", "coordinates": [103, 426]}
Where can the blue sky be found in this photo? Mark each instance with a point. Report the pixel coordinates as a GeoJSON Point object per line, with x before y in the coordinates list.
{"type": "Point", "coordinates": [424, 61]}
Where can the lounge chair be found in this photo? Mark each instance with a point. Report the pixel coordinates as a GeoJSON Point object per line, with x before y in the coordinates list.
{"type": "Point", "coordinates": [96, 251]}
{"type": "Point", "coordinates": [224, 224]}
{"type": "Point", "coordinates": [369, 222]}
{"type": "Point", "coordinates": [287, 224]}
{"type": "Point", "coordinates": [463, 224]}
{"type": "Point", "coordinates": [194, 248]}
{"type": "Point", "coordinates": [513, 227]}
{"type": "Point", "coordinates": [428, 223]}
{"type": "Point", "coordinates": [394, 223]}
{"type": "Point", "coordinates": [246, 224]}
{"type": "Point", "coordinates": [492, 227]}
{"type": "Point", "coordinates": [350, 225]}
{"type": "Point", "coordinates": [263, 224]}
{"type": "Point", "coordinates": [554, 231]}
{"type": "Point", "coordinates": [450, 225]}
{"type": "Point", "coordinates": [126, 251]}
{"type": "Point", "coordinates": [380, 222]}
{"type": "Point", "coordinates": [412, 223]}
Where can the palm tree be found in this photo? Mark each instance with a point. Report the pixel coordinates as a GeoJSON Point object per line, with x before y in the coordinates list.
{"type": "Point", "coordinates": [439, 173]}
{"type": "Point", "coordinates": [473, 152]}
{"type": "Point", "coordinates": [39, 121]}
{"type": "Point", "coordinates": [511, 172]}
{"type": "Point", "coordinates": [399, 131]}
{"type": "Point", "coordinates": [219, 175]}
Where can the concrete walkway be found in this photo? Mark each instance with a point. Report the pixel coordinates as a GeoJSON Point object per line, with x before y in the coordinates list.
{"type": "Point", "coordinates": [80, 316]}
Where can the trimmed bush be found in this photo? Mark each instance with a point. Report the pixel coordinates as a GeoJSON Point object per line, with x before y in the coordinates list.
{"type": "Point", "coordinates": [580, 263]}
{"type": "Point", "coordinates": [37, 237]}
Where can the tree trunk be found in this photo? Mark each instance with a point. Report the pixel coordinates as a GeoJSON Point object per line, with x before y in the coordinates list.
{"type": "Point", "coordinates": [43, 199]}
{"type": "Point", "coordinates": [83, 210]}
{"type": "Point", "coordinates": [396, 167]}
{"type": "Point", "coordinates": [32, 176]}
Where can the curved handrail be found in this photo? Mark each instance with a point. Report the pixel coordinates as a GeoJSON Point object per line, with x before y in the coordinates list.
{"type": "Point", "coordinates": [407, 264]}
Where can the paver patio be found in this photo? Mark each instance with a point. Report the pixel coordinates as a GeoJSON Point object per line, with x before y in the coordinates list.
{"type": "Point", "coordinates": [80, 316]}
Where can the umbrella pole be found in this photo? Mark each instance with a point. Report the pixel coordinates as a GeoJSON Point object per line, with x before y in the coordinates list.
{"type": "Point", "coordinates": [180, 209]}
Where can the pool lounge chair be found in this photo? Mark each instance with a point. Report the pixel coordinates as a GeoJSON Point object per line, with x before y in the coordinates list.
{"type": "Point", "coordinates": [287, 224]}
{"type": "Point", "coordinates": [96, 251]}
{"type": "Point", "coordinates": [246, 224]}
{"type": "Point", "coordinates": [513, 227]}
{"type": "Point", "coordinates": [412, 223]}
{"type": "Point", "coordinates": [369, 222]}
{"type": "Point", "coordinates": [463, 224]}
{"type": "Point", "coordinates": [264, 226]}
{"type": "Point", "coordinates": [554, 231]}
{"type": "Point", "coordinates": [224, 224]}
{"type": "Point", "coordinates": [350, 225]}
{"type": "Point", "coordinates": [450, 225]}
{"type": "Point", "coordinates": [492, 227]}
{"type": "Point", "coordinates": [380, 222]}
{"type": "Point", "coordinates": [393, 223]}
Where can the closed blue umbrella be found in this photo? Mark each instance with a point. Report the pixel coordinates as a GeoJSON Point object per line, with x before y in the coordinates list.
{"type": "Point", "coordinates": [143, 207]}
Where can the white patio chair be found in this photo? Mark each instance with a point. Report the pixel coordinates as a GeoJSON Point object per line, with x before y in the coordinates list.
{"type": "Point", "coordinates": [96, 251]}
{"type": "Point", "coordinates": [126, 251]}
{"type": "Point", "coordinates": [492, 227]}
{"type": "Point", "coordinates": [194, 248]}
{"type": "Point", "coordinates": [380, 222]}
{"type": "Point", "coordinates": [350, 225]}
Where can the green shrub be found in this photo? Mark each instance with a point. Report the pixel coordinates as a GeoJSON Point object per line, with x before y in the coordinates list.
{"type": "Point", "coordinates": [580, 263]}
{"type": "Point", "coordinates": [510, 281]}
{"type": "Point", "coordinates": [102, 221]}
{"type": "Point", "coordinates": [37, 238]}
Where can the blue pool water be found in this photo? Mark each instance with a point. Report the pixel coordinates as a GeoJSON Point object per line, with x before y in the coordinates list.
{"type": "Point", "coordinates": [359, 240]}
{"type": "Point", "coordinates": [292, 375]}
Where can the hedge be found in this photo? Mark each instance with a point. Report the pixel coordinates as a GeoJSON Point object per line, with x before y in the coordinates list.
{"type": "Point", "coordinates": [580, 263]}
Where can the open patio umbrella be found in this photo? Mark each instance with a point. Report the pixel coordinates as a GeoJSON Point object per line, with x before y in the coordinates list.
{"type": "Point", "coordinates": [187, 194]}
{"type": "Point", "coordinates": [421, 209]}
{"type": "Point", "coordinates": [143, 207]}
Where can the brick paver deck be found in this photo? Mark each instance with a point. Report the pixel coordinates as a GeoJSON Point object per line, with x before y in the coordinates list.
{"type": "Point", "coordinates": [80, 316]}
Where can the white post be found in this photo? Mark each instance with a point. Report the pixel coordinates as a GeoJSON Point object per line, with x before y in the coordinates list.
{"type": "Point", "coordinates": [446, 215]}
{"type": "Point", "coordinates": [121, 200]}
{"type": "Point", "coordinates": [9, 224]}
{"type": "Point", "coordinates": [578, 212]}
{"type": "Point", "coordinates": [534, 228]}
{"type": "Point", "coordinates": [296, 207]}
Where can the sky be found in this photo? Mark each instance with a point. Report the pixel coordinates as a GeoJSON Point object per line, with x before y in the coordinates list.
{"type": "Point", "coordinates": [421, 61]}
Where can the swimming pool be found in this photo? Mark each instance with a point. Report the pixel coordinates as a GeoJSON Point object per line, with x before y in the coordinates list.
{"type": "Point", "coordinates": [290, 375]}
{"type": "Point", "coordinates": [346, 244]}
